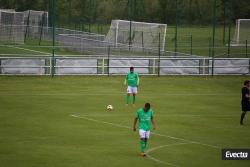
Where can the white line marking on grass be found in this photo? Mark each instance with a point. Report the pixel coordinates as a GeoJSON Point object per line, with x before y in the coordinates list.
{"type": "Point", "coordinates": [31, 50]}
{"type": "Point", "coordinates": [229, 128]}
{"type": "Point", "coordinates": [109, 94]}
{"type": "Point", "coordinates": [103, 122]}
{"type": "Point", "coordinates": [186, 140]}
{"type": "Point", "coordinates": [157, 134]}
{"type": "Point", "coordinates": [161, 162]}
{"type": "Point", "coordinates": [170, 115]}
{"type": "Point", "coordinates": [159, 147]}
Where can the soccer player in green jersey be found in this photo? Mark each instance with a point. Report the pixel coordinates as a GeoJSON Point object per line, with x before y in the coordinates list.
{"type": "Point", "coordinates": [145, 117]}
{"type": "Point", "coordinates": [132, 80]}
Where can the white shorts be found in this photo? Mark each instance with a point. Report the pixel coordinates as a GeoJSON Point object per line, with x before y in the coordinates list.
{"type": "Point", "coordinates": [144, 134]}
{"type": "Point", "coordinates": [132, 90]}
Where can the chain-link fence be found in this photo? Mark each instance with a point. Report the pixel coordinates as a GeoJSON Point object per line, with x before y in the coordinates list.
{"type": "Point", "coordinates": [127, 28]}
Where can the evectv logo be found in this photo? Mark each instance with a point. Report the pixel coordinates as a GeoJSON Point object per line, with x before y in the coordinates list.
{"type": "Point", "coordinates": [230, 154]}
{"type": "Point", "coordinates": [235, 154]}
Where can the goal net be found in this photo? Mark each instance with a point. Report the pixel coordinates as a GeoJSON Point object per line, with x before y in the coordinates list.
{"type": "Point", "coordinates": [11, 26]}
{"type": "Point", "coordinates": [35, 21]}
{"type": "Point", "coordinates": [242, 32]}
{"type": "Point", "coordinates": [137, 35]}
{"type": "Point", "coordinates": [15, 26]}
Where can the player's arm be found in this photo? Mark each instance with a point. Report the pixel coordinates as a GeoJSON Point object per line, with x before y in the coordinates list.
{"type": "Point", "coordinates": [125, 81]}
{"type": "Point", "coordinates": [138, 80]}
{"type": "Point", "coordinates": [135, 122]}
{"type": "Point", "coordinates": [153, 122]}
{"type": "Point", "coordinates": [247, 95]}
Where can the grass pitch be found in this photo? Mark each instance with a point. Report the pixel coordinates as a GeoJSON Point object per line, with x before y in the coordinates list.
{"type": "Point", "coordinates": [195, 118]}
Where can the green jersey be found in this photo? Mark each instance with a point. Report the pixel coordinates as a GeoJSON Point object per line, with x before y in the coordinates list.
{"type": "Point", "coordinates": [144, 119]}
{"type": "Point", "coordinates": [132, 79]}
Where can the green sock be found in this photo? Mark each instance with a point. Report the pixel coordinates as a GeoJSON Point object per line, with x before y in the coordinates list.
{"type": "Point", "coordinates": [128, 99]}
{"type": "Point", "coordinates": [134, 99]}
{"type": "Point", "coordinates": [142, 146]}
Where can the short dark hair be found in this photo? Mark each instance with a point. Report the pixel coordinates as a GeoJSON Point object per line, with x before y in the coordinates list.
{"type": "Point", "coordinates": [246, 82]}
{"type": "Point", "coordinates": [147, 105]}
{"type": "Point", "coordinates": [131, 68]}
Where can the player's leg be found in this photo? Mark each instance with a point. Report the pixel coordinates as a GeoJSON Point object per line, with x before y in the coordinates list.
{"type": "Point", "coordinates": [242, 117]}
{"type": "Point", "coordinates": [128, 98]}
{"type": "Point", "coordinates": [134, 98]}
{"type": "Point", "coordinates": [147, 134]}
{"type": "Point", "coordinates": [134, 94]}
{"type": "Point", "coordinates": [129, 91]}
{"type": "Point", "coordinates": [245, 106]}
{"type": "Point", "coordinates": [143, 145]}
{"type": "Point", "coordinates": [142, 134]}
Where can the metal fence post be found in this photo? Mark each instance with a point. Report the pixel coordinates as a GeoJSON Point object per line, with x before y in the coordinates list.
{"type": "Point", "coordinates": [246, 49]}
{"type": "Point", "coordinates": [159, 54]}
{"type": "Point", "coordinates": [53, 37]}
{"type": "Point", "coordinates": [190, 12]}
{"type": "Point", "coordinates": [229, 41]}
{"type": "Point", "coordinates": [191, 45]}
{"type": "Point", "coordinates": [41, 28]}
{"type": "Point", "coordinates": [27, 27]}
{"type": "Point", "coordinates": [176, 27]}
{"type": "Point", "coordinates": [82, 26]}
{"type": "Point", "coordinates": [101, 27]}
{"type": "Point", "coordinates": [224, 24]}
{"type": "Point", "coordinates": [108, 60]}
{"type": "Point", "coordinates": [130, 15]}
{"type": "Point", "coordinates": [213, 37]}
{"type": "Point", "coordinates": [0, 66]}
{"type": "Point", "coordinates": [142, 41]}
{"type": "Point", "coordinates": [103, 65]}
{"type": "Point", "coordinates": [209, 47]}
{"type": "Point", "coordinates": [89, 27]}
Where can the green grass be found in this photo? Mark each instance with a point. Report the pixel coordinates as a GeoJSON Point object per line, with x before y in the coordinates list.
{"type": "Point", "coordinates": [32, 48]}
{"type": "Point", "coordinates": [37, 130]}
{"type": "Point", "coordinates": [200, 43]}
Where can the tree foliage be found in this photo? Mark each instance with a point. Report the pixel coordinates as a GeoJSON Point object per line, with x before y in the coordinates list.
{"type": "Point", "coordinates": [162, 11]}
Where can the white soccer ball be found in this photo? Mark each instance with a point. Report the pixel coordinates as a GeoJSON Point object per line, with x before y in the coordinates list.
{"type": "Point", "coordinates": [110, 107]}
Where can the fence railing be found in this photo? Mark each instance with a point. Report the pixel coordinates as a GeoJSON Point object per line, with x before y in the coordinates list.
{"type": "Point", "coordinates": [96, 65]}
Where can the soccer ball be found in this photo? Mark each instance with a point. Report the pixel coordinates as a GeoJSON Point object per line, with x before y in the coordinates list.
{"type": "Point", "coordinates": [109, 107]}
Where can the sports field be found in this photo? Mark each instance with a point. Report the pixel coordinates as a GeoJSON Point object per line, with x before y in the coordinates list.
{"type": "Point", "coordinates": [63, 122]}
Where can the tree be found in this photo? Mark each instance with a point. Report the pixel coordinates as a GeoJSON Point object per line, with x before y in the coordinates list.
{"type": "Point", "coordinates": [241, 9]}
{"type": "Point", "coordinates": [163, 10]}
